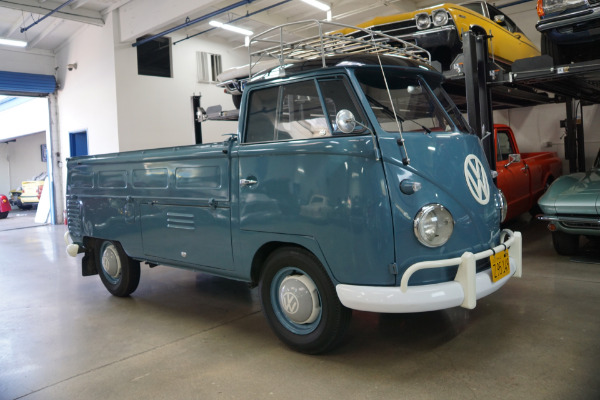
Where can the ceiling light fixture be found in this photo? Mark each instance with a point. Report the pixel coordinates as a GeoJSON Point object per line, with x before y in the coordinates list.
{"type": "Point", "coordinates": [10, 42]}
{"type": "Point", "coordinates": [231, 28]}
{"type": "Point", "coordinates": [318, 4]}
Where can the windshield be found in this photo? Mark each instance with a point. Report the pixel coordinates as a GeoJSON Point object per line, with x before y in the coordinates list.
{"type": "Point", "coordinates": [416, 106]}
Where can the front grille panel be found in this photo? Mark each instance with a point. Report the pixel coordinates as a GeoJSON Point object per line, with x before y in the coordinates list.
{"type": "Point", "coordinates": [582, 225]}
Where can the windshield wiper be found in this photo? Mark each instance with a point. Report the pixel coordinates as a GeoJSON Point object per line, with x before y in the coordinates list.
{"type": "Point", "coordinates": [390, 113]}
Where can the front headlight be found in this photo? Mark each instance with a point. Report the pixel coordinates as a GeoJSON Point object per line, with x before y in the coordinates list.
{"type": "Point", "coordinates": [422, 20]}
{"type": "Point", "coordinates": [440, 17]}
{"type": "Point", "coordinates": [502, 205]}
{"type": "Point", "coordinates": [433, 225]}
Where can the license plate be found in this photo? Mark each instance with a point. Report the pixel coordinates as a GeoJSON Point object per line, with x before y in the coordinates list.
{"type": "Point", "coordinates": [500, 265]}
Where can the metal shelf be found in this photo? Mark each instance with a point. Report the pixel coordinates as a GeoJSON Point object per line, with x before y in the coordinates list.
{"type": "Point", "coordinates": [535, 81]}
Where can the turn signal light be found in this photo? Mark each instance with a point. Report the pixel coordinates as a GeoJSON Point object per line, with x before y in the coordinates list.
{"type": "Point", "coordinates": [540, 8]}
{"type": "Point", "coordinates": [551, 227]}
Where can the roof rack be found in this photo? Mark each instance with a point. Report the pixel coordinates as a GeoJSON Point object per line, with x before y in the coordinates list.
{"type": "Point", "coordinates": [332, 39]}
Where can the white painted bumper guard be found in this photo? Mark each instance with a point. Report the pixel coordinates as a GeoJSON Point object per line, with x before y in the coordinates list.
{"type": "Point", "coordinates": [467, 287]}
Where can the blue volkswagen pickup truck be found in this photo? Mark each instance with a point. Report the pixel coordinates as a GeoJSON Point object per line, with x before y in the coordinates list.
{"type": "Point", "coordinates": [353, 182]}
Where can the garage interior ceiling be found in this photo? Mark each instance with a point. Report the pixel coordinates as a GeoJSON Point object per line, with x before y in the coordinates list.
{"type": "Point", "coordinates": [49, 34]}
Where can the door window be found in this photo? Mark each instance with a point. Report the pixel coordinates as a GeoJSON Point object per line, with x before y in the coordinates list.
{"type": "Point", "coordinates": [300, 110]}
{"type": "Point", "coordinates": [504, 145]}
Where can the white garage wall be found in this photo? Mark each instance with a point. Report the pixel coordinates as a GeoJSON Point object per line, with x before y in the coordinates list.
{"type": "Point", "coordinates": [30, 63]}
{"type": "Point", "coordinates": [87, 97]}
{"type": "Point", "coordinates": [21, 160]}
{"type": "Point", "coordinates": [4, 169]}
{"type": "Point", "coordinates": [538, 129]}
{"type": "Point", "coordinates": [157, 112]}
{"type": "Point", "coordinates": [24, 119]}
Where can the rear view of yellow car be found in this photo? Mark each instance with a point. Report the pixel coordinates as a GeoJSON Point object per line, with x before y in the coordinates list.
{"type": "Point", "coordinates": [32, 191]}
{"type": "Point", "coordinates": [439, 29]}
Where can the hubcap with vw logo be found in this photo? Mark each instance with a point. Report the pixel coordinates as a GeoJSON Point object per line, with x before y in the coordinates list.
{"type": "Point", "coordinates": [299, 299]}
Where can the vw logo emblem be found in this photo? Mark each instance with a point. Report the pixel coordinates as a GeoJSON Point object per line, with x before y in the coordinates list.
{"type": "Point", "coordinates": [476, 178]}
{"type": "Point", "coordinates": [290, 303]}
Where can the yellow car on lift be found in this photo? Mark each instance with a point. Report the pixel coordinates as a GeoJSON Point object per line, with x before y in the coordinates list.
{"type": "Point", "coordinates": [439, 29]}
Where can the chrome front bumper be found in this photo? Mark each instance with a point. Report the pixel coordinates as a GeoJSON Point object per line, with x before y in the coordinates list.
{"type": "Point", "coordinates": [464, 290]}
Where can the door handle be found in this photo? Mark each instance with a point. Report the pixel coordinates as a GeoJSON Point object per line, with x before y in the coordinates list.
{"type": "Point", "coordinates": [525, 168]}
{"type": "Point", "coordinates": [248, 182]}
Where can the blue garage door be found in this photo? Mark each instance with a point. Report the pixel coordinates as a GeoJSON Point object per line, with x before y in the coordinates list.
{"type": "Point", "coordinates": [20, 84]}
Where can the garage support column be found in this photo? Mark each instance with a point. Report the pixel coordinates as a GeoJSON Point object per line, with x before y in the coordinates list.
{"type": "Point", "coordinates": [574, 139]}
{"type": "Point", "coordinates": [479, 98]}
{"type": "Point", "coordinates": [54, 162]}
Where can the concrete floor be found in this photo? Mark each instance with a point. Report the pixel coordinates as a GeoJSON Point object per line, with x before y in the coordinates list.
{"type": "Point", "coordinates": [184, 335]}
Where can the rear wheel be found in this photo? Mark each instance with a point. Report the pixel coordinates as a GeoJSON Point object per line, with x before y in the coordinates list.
{"type": "Point", "coordinates": [565, 244]}
{"type": "Point", "coordinates": [119, 273]}
{"type": "Point", "coordinates": [3, 214]}
{"type": "Point", "coordinates": [300, 302]}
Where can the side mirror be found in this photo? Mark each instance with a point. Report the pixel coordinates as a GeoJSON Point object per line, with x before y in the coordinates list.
{"type": "Point", "coordinates": [345, 121]}
{"type": "Point", "coordinates": [201, 114]}
{"type": "Point", "coordinates": [499, 19]}
{"type": "Point", "coordinates": [513, 158]}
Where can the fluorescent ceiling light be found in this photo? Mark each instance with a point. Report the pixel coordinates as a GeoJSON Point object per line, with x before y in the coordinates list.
{"type": "Point", "coordinates": [318, 4]}
{"type": "Point", "coordinates": [16, 43]}
{"type": "Point", "coordinates": [231, 28]}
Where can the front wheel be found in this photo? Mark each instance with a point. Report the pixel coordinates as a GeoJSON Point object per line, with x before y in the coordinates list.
{"type": "Point", "coordinates": [3, 214]}
{"type": "Point", "coordinates": [565, 244]}
{"type": "Point", "coordinates": [119, 273]}
{"type": "Point", "coordinates": [300, 302]}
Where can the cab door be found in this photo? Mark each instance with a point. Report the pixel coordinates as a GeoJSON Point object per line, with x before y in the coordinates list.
{"type": "Point", "coordinates": [513, 176]}
{"type": "Point", "coordinates": [301, 178]}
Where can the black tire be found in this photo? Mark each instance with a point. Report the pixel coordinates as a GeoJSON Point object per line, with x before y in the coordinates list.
{"type": "Point", "coordinates": [325, 327]}
{"type": "Point", "coordinates": [119, 273]}
{"type": "Point", "coordinates": [3, 214]}
{"type": "Point", "coordinates": [565, 244]}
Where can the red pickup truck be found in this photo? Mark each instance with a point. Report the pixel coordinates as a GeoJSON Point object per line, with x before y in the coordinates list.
{"type": "Point", "coordinates": [522, 177]}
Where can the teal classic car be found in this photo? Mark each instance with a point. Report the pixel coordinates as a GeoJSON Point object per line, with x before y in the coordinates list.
{"type": "Point", "coordinates": [572, 208]}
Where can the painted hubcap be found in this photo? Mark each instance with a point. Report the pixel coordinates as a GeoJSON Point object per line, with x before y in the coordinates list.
{"type": "Point", "coordinates": [111, 263]}
{"type": "Point", "coordinates": [299, 299]}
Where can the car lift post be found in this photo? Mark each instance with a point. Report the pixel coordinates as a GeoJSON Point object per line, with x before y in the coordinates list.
{"type": "Point", "coordinates": [574, 139]}
{"type": "Point", "coordinates": [479, 98]}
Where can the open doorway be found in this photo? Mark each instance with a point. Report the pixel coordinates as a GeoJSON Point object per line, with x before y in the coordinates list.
{"type": "Point", "coordinates": [25, 160]}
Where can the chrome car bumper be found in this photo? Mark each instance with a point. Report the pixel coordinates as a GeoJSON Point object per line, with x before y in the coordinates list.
{"type": "Point", "coordinates": [575, 225]}
{"type": "Point", "coordinates": [566, 20]}
{"type": "Point", "coordinates": [467, 287]}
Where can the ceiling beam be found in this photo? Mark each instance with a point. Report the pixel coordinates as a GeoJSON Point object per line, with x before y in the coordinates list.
{"type": "Point", "coordinates": [76, 4]}
{"type": "Point", "coordinates": [47, 31]}
{"type": "Point", "coordinates": [114, 6]}
{"type": "Point", "coordinates": [270, 18]}
{"type": "Point", "coordinates": [82, 15]}
{"type": "Point", "coordinates": [13, 28]}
